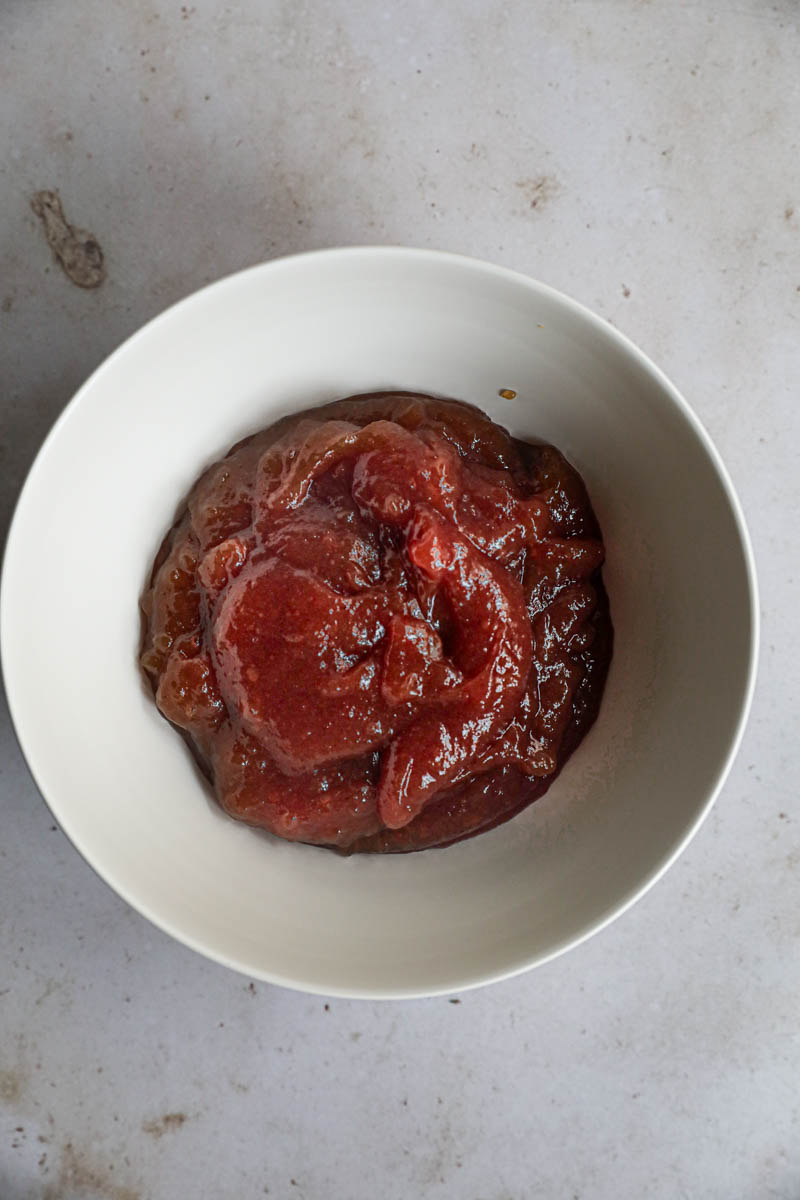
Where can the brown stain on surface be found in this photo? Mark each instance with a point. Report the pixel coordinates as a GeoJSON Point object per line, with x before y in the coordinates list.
{"type": "Point", "coordinates": [11, 1085]}
{"type": "Point", "coordinates": [539, 190]}
{"type": "Point", "coordinates": [169, 1123]}
{"type": "Point", "coordinates": [77, 250]}
{"type": "Point", "coordinates": [78, 1177]}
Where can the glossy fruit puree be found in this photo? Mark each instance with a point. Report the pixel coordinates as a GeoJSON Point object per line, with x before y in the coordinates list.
{"type": "Point", "coordinates": [381, 623]}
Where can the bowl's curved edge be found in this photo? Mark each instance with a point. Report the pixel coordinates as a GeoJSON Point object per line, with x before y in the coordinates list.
{"type": "Point", "coordinates": [466, 983]}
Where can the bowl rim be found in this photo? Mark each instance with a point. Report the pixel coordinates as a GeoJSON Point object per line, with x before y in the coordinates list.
{"type": "Point", "coordinates": [607, 331]}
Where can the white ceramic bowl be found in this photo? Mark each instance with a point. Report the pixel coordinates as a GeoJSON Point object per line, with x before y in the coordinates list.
{"type": "Point", "coordinates": [228, 361]}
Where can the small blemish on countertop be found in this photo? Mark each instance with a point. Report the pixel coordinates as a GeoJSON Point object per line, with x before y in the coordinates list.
{"type": "Point", "coordinates": [77, 250]}
{"type": "Point", "coordinates": [539, 190]}
{"type": "Point", "coordinates": [169, 1123]}
{"type": "Point", "coordinates": [78, 1177]}
{"type": "Point", "coordinates": [10, 1086]}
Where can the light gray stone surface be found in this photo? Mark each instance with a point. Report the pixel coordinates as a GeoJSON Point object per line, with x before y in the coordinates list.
{"type": "Point", "coordinates": [642, 157]}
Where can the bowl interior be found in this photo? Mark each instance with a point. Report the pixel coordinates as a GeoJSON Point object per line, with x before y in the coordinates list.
{"type": "Point", "coordinates": [229, 361]}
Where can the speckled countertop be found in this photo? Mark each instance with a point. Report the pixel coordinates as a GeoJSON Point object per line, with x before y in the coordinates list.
{"type": "Point", "coordinates": [642, 157]}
